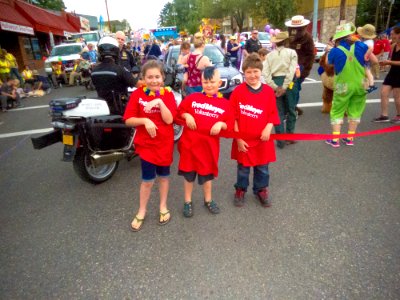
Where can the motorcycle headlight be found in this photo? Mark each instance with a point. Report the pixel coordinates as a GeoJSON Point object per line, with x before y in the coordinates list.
{"type": "Point", "coordinates": [236, 80]}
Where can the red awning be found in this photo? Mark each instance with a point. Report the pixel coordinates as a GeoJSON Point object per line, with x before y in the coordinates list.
{"type": "Point", "coordinates": [44, 20]}
{"type": "Point", "coordinates": [12, 20]}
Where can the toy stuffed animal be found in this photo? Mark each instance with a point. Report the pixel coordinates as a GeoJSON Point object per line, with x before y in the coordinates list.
{"type": "Point", "coordinates": [327, 82]}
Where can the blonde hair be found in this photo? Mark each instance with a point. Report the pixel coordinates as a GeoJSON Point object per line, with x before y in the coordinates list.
{"type": "Point", "coordinates": [198, 40]}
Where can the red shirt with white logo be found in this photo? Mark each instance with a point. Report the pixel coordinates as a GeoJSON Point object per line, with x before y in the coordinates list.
{"type": "Point", "coordinates": [253, 111]}
{"type": "Point", "coordinates": [199, 151]}
{"type": "Point", "coordinates": [157, 150]}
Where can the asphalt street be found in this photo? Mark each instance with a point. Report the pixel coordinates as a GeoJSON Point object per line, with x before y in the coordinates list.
{"type": "Point", "coordinates": [332, 231]}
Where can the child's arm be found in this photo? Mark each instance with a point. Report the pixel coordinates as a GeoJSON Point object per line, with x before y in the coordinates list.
{"type": "Point", "coordinates": [166, 114]}
{"type": "Point", "coordinates": [217, 127]}
{"type": "Point", "coordinates": [265, 134]}
{"type": "Point", "coordinates": [146, 122]}
{"type": "Point", "coordinates": [242, 145]}
{"type": "Point", "coordinates": [190, 122]}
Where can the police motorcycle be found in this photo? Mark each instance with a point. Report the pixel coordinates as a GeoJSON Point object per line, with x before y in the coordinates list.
{"type": "Point", "coordinates": [94, 140]}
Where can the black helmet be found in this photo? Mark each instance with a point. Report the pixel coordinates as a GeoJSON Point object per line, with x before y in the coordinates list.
{"type": "Point", "coordinates": [108, 47]}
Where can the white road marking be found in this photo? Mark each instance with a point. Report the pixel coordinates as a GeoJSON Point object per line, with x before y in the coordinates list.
{"type": "Point", "coordinates": [28, 108]}
{"type": "Point", "coordinates": [27, 132]}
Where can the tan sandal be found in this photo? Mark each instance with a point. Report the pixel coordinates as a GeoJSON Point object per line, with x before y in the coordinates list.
{"type": "Point", "coordinates": [162, 215]}
{"type": "Point", "coordinates": [139, 221]}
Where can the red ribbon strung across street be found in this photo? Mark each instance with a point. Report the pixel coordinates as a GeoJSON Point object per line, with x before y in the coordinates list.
{"type": "Point", "coordinates": [306, 136]}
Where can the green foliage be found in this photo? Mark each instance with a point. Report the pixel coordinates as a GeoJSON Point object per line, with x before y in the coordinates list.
{"type": "Point", "coordinates": [50, 4]}
{"type": "Point", "coordinates": [277, 12]}
{"type": "Point", "coordinates": [376, 12]}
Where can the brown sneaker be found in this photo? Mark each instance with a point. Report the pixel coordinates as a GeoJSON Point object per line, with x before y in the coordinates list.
{"type": "Point", "coordinates": [262, 196]}
{"type": "Point", "coordinates": [239, 197]}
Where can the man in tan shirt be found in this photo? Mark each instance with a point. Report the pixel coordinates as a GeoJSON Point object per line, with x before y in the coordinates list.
{"type": "Point", "coordinates": [278, 71]}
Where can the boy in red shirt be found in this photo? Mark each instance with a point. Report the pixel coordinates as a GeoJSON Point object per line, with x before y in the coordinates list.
{"type": "Point", "coordinates": [151, 110]}
{"type": "Point", "coordinates": [254, 107]}
{"type": "Point", "coordinates": [205, 115]}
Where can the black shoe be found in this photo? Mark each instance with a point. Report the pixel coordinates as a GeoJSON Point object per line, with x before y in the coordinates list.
{"type": "Point", "coordinates": [280, 144]}
{"type": "Point", "coordinates": [188, 209]}
{"type": "Point", "coordinates": [212, 207]}
{"type": "Point", "coordinates": [239, 197]}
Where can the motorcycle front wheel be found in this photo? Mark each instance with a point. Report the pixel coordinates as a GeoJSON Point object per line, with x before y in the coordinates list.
{"type": "Point", "coordinates": [177, 132]}
{"type": "Point", "coordinates": [87, 171]}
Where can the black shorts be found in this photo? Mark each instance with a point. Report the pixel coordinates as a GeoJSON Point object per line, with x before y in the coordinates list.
{"type": "Point", "coordinates": [191, 177]}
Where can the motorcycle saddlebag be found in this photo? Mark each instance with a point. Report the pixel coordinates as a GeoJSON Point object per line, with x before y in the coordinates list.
{"type": "Point", "coordinates": [47, 139]}
{"type": "Point", "coordinates": [107, 132]}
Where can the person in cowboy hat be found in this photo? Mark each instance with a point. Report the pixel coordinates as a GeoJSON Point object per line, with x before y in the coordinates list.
{"type": "Point", "coordinates": [367, 34]}
{"type": "Point", "coordinates": [278, 71]}
{"type": "Point", "coordinates": [349, 94]}
{"type": "Point", "coordinates": [302, 42]}
{"type": "Point", "coordinates": [233, 49]}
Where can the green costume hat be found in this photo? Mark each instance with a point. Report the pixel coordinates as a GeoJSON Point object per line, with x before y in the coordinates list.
{"type": "Point", "coordinates": [344, 30]}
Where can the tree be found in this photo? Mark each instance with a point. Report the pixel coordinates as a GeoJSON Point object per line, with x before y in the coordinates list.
{"type": "Point", "coordinates": [376, 12]}
{"type": "Point", "coordinates": [50, 4]}
{"type": "Point", "coordinates": [277, 12]}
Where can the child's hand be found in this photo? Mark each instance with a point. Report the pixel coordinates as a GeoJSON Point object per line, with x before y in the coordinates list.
{"type": "Point", "coordinates": [242, 145]}
{"type": "Point", "coordinates": [265, 134]}
{"type": "Point", "coordinates": [151, 128]}
{"type": "Point", "coordinates": [216, 129]}
{"type": "Point", "coordinates": [190, 122]}
{"type": "Point", "coordinates": [151, 104]}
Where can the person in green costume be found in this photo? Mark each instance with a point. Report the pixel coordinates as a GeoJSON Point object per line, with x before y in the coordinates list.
{"type": "Point", "coordinates": [349, 95]}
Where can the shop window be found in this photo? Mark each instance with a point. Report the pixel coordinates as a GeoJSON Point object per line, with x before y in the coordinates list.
{"type": "Point", "coordinates": [32, 48]}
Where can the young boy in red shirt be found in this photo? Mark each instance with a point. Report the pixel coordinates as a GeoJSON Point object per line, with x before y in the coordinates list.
{"type": "Point", "coordinates": [254, 107]}
{"type": "Point", "coordinates": [205, 115]}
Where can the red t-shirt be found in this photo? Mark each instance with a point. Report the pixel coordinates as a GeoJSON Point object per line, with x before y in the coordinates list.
{"type": "Point", "coordinates": [378, 47]}
{"type": "Point", "coordinates": [387, 45]}
{"type": "Point", "coordinates": [253, 111]}
{"type": "Point", "coordinates": [199, 151]}
{"type": "Point", "coordinates": [157, 150]}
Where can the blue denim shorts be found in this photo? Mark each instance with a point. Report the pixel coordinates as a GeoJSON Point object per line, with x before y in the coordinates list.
{"type": "Point", "coordinates": [150, 171]}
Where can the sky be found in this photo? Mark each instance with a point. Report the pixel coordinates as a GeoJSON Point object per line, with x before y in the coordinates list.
{"type": "Point", "coordinates": [139, 13]}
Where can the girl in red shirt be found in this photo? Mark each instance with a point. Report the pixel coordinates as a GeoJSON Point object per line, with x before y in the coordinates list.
{"type": "Point", "coordinates": [205, 115]}
{"type": "Point", "coordinates": [151, 109]}
{"type": "Point", "coordinates": [254, 106]}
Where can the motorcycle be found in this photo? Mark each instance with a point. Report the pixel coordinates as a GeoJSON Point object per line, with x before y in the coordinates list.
{"type": "Point", "coordinates": [94, 141]}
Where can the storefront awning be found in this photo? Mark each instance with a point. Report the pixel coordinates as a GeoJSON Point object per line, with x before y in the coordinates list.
{"type": "Point", "coordinates": [12, 20]}
{"type": "Point", "coordinates": [45, 21]}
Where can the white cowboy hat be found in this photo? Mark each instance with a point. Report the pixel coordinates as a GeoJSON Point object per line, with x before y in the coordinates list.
{"type": "Point", "coordinates": [281, 36]}
{"type": "Point", "coordinates": [297, 21]}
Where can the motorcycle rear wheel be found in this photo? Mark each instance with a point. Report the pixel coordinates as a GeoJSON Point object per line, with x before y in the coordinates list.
{"type": "Point", "coordinates": [88, 172]}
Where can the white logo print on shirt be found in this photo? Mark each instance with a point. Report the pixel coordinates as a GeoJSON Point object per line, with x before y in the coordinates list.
{"type": "Point", "coordinates": [154, 110]}
{"type": "Point", "coordinates": [250, 110]}
{"type": "Point", "coordinates": [211, 110]}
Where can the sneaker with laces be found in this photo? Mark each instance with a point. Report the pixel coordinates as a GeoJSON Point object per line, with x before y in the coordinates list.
{"type": "Point", "coordinates": [395, 120]}
{"type": "Point", "coordinates": [239, 197]}
{"type": "Point", "coordinates": [262, 196]}
{"type": "Point", "coordinates": [348, 142]}
{"type": "Point", "coordinates": [381, 119]}
{"type": "Point", "coordinates": [334, 144]}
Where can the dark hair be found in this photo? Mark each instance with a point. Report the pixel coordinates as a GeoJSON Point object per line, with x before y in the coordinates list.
{"type": "Point", "coordinates": [252, 61]}
{"type": "Point", "coordinates": [263, 51]}
{"type": "Point", "coordinates": [396, 29]}
{"type": "Point", "coordinates": [152, 64]}
{"type": "Point", "coordinates": [209, 72]}
{"type": "Point", "coordinates": [223, 41]}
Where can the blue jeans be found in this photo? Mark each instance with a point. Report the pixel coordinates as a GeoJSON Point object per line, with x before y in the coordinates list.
{"type": "Point", "coordinates": [260, 177]}
{"type": "Point", "coordinates": [298, 83]}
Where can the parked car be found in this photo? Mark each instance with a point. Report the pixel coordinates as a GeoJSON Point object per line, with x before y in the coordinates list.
{"type": "Point", "coordinates": [319, 50]}
{"type": "Point", "coordinates": [67, 53]}
{"type": "Point", "coordinates": [264, 37]}
{"type": "Point", "coordinates": [230, 76]}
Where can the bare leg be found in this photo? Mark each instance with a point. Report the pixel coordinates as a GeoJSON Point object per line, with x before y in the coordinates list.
{"type": "Point", "coordinates": [188, 187]}
{"type": "Point", "coordinates": [396, 95]}
{"type": "Point", "coordinates": [385, 92]}
{"type": "Point", "coordinates": [207, 187]}
{"type": "Point", "coordinates": [144, 196]}
{"type": "Point", "coordinates": [164, 187]}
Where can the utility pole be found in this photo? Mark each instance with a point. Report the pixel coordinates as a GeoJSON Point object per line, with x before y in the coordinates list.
{"type": "Point", "coordinates": [108, 16]}
{"type": "Point", "coordinates": [390, 11]}
{"type": "Point", "coordinates": [315, 21]}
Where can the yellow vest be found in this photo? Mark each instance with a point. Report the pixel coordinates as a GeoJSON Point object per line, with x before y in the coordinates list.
{"type": "Point", "coordinates": [27, 74]}
{"type": "Point", "coordinates": [11, 59]}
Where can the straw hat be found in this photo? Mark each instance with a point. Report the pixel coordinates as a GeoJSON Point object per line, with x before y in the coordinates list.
{"type": "Point", "coordinates": [367, 31]}
{"type": "Point", "coordinates": [297, 21]}
{"type": "Point", "coordinates": [343, 31]}
{"type": "Point", "coordinates": [35, 72]}
{"type": "Point", "coordinates": [281, 36]}
{"type": "Point", "coordinates": [232, 37]}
